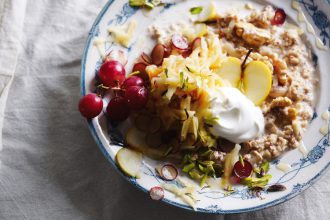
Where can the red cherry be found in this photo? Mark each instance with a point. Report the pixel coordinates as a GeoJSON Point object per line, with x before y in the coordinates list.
{"type": "Point", "coordinates": [117, 109]}
{"type": "Point", "coordinates": [279, 17]}
{"type": "Point", "coordinates": [112, 73]}
{"type": "Point", "coordinates": [133, 81]}
{"type": "Point", "coordinates": [136, 97]}
{"type": "Point", "coordinates": [243, 171]}
{"type": "Point", "coordinates": [90, 105]}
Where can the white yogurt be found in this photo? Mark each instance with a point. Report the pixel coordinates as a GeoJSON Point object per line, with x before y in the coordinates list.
{"type": "Point", "coordinates": [236, 117]}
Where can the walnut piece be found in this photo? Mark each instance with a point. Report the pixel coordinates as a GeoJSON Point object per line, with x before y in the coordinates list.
{"type": "Point", "coordinates": [251, 34]}
{"type": "Point", "coordinates": [280, 102]}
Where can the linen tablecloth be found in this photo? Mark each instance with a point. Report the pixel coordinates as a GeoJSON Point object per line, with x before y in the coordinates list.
{"type": "Point", "coordinates": [50, 167]}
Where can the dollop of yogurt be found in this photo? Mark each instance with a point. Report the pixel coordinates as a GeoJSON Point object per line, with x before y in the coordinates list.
{"type": "Point", "coordinates": [235, 117]}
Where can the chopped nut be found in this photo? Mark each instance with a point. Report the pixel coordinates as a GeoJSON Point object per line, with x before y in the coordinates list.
{"type": "Point", "coordinates": [273, 138]}
{"type": "Point", "coordinates": [263, 19]}
{"type": "Point", "coordinates": [248, 6]}
{"type": "Point", "coordinates": [267, 155]}
{"type": "Point", "coordinates": [292, 113]}
{"type": "Point", "coordinates": [288, 38]}
{"type": "Point", "coordinates": [279, 64]}
{"type": "Point", "coordinates": [293, 59]}
{"type": "Point", "coordinates": [253, 35]}
{"type": "Point", "coordinates": [282, 142]}
{"type": "Point", "coordinates": [239, 32]}
{"type": "Point", "coordinates": [282, 77]}
{"type": "Point", "coordinates": [280, 102]}
{"type": "Point", "coordinates": [271, 127]}
{"type": "Point", "coordinates": [257, 155]}
{"type": "Point", "coordinates": [278, 91]}
{"type": "Point", "coordinates": [296, 128]}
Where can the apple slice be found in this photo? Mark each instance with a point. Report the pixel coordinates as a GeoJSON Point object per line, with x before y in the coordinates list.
{"type": "Point", "coordinates": [208, 13]}
{"type": "Point", "coordinates": [230, 70]}
{"type": "Point", "coordinates": [136, 140]}
{"type": "Point", "coordinates": [129, 161]}
{"type": "Point", "coordinates": [200, 30]}
{"type": "Point", "coordinates": [257, 81]}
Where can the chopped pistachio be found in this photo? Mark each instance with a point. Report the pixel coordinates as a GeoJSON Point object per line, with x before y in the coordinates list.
{"type": "Point", "coordinates": [137, 3]}
{"type": "Point", "coordinates": [206, 153]}
{"type": "Point", "coordinates": [203, 180]}
{"type": "Point", "coordinates": [188, 167]}
{"type": "Point", "coordinates": [265, 166]}
{"type": "Point", "coordinates": [149, 5]}
{"type": "Point", "coordinates": [211, 121]}
{"type": "Point", "coordinates": [211, 171]}
{"type": "Point", "coordinates": [252, 182]}
{"type": "Point", "coordinates": [144, 3]}
{"type": "Point", "coordinates": [262, 169]}
{"type": "Point", "coordinates": [203, 169]}
{"type": "Point", "coordinates": [206, 163]}
{"type": "Point", "coordinates": [228, 193]}
{"type": "Point", "coordinates": [156, 2]}
{"type": "Point", "coordinates": [195, 174]}
{"type": "Point", "coordinates": [181, 78]}
{"type": "Point", "coordinates": [196, 10]}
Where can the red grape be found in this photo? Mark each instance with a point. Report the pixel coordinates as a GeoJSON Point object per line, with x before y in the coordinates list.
{"type": "Point", "coordinates": [234, 179]}
{"type": "Point", "coordinates": [179, 42]}
{"type": "Point", "coordinates": [117, 55]}
{"type": "Point", "coordinates": [196, 43]}
{"type": "Point", "coordinates": [133, 81]}
{"type": "Point", "coordinates": [136, 97]}
{"type": "Point", "coordinates": [141, 67]}
{"type": "Point", "coordinates": [90, 105]}
{"type": "Point", "coordinates": [117, 109]}
{"type": "Point", "coordinates": [242, 171]}
{"type": "Point", "coordinates": [186, 53]}
{"type": "Point", "coordinates": [279, 17]}
{"type": "Point", "coordinates": [156, 193]}
{"type": "Point", "coordinates": [112, 73]}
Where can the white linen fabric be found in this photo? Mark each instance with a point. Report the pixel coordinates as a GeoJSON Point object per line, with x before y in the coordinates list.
{"type": "Point", "coordinates": [50, 166]}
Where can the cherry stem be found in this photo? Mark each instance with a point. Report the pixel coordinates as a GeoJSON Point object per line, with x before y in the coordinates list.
{"type": "Point", "coordinates": [245, 59]}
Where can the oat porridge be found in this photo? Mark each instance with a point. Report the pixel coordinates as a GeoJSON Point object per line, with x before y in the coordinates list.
{"type": "Point", "coordinates": [220, 96]}
{"type": "Point", "coordinates": [287, 109]}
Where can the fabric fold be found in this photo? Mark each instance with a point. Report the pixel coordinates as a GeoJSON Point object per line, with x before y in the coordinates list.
{"type": "Point", "coordinates": [12, 14]}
